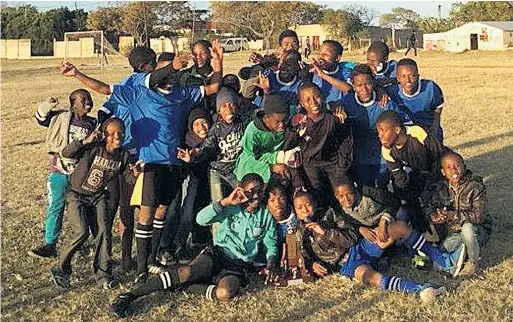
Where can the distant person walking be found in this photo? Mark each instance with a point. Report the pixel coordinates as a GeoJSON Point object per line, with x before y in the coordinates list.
{"type": "Point", "coordinates": [411, 44]}
{"type": "Point", "coordinates": [308, 47]}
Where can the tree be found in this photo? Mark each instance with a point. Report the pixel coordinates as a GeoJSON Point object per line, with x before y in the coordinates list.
{"type": "Point", "coordinates": [365, 14]}
{"type": "Point", "coordinates": [341, 24]}
{"type": "Point", "coordinates": [463, 12]}
{"type": "Point", "coordinates": [434, 25]}
{"type": "Point", "coordinates": [399, 18]}
{"type": "Point", "coordinates": [261, 19]}
{"type": "Point", "coordinates": [109, 20]}
{"type": "Point", "coordinates": [306, 13]}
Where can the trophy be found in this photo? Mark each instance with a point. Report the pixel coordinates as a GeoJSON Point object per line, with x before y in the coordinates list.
{"type": "Point", "coordinates": [293, 263]}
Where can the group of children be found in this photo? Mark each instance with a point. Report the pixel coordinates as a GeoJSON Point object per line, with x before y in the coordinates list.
{"type": "Point", "coordinates": [310, 168]}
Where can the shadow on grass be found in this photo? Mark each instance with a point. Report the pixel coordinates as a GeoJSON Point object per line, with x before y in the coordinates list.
{"type": "Point", "coordinates": [496, 167]}
{"type": "Point", "coordinates": [481, 141]}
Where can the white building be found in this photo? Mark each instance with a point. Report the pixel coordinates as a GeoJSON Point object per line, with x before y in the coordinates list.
{"type": "Point", "coordinates": [479, 35]}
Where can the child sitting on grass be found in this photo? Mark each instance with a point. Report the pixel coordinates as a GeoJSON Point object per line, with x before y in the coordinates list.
{"type": "Point", "coordinates": [245, 227]}
{"type": "Point", "coordinates": [99, 162]}
{"type": "Point", "coordinates": [331, 244]}
{"type": "Point", "coordinates": [457, 205]}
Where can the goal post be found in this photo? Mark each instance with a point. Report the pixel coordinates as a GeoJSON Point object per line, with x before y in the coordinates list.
{"type": "Point", "coordinates": [88, 44]}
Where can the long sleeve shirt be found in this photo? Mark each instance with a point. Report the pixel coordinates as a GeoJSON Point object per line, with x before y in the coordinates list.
{"type": "Point", "coordinates": [96, 167]}
{"type": "Point", "coordinates": [240, 233]}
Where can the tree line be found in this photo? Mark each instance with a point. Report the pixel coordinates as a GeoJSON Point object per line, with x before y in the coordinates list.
{"type": "Point", "coordinates": [251, 19]}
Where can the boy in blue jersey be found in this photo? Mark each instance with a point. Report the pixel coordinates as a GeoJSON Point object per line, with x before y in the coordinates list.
{"type": "Point", "coordinates": [384, 70]}
{"type": "Point", "coordinates": [362, 111]}
{"type": "Point", "coordinates": [284, 82]}
{"type": "Point", "coordinates": [330, 244]}
{"type": "Point", "coordinates": [331, 75]}
{"type": "Point", "coordinates": [245, 227]}
{"type": "Point", "coordinates": [160, 118]}
{"type": "Point", "coordinates": [422, 97]}
{"type": "Point", "coordinates": [142, 61]}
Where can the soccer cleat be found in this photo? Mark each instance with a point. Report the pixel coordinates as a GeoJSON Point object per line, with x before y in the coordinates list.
{"type": "Point", "coordinates": [45, 251]}
{"type": "Point", "coordinates": [155, 269]}
{"type": "Point", "coordinates": [60, 279]}
{"type": "Point", "coordinates": [121, 305]}
{"type": "Point", "coordinates": [430, 293]}
{"type": "Point", "coordinates": [108, 283]}
{"type": "Point", "coordinates": [458, 258]}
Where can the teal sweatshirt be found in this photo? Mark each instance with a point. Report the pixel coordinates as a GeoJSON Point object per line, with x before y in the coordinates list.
{"type": "Point", "coordinates": [240, 233]}
{"type": "Point", "coordinates": [260, 148]}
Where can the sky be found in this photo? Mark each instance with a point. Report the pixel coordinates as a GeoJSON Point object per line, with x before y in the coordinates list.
{"type": "Point", "coordinates": [423, 8]}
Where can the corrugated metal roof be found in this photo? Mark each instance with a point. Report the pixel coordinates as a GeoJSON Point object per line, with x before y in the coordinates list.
{"type": "Point", "coordinates": [504, 25]}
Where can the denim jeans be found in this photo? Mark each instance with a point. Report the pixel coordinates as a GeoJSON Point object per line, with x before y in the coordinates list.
{"type": "Point", "coordinates": [473, 236]}
{"type": "Point", "coordinates": [221, 185]}
{"type": "Point", "coordinates": [57, 188]}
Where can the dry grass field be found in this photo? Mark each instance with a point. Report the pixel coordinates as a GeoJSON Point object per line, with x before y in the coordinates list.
{"type": "Point", "coordinates": [478, 123]}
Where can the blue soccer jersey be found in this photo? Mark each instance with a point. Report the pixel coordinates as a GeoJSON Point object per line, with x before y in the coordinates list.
{"type": "Point", "coordinates": [422, 104]}
{"type": "Point", "coordinates": [122, 112]}
{"type": "Point", "coordinates": [159, 120]}
{"type": "Point", "coordinates": [287, 91]}
{"type": "Point", "coordinates": [362, 117]}
{"type": "Point", "coordinates": [329, 92]}
{"type": "Point", "coordinates": [389, 71]}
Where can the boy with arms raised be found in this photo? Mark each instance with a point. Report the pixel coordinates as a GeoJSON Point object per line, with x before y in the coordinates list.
{"type": "Point", "coordinates": [159, 122]}
{"type": "Point", "coordinates": [65, 125]}
{"type": "Point", "coordinates": [245, 226]}
{"type": "Point", "coordinates": [458, 205]}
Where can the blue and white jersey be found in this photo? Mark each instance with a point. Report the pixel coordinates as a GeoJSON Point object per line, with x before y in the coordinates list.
{"type": "Point", "coordinates": [122, 112]}
{"type": "Point", "coordinates": [329, 92]}
{"type": "Point", "coordinates": [363, 117]}
{"type": "Point", "coordinates": [159, 119]}
{"type": "Point", "coordinates": [287, 91]}
{"type": "Point", "coordinates": [389, 72]}
{"type": "Point", "coordinates": [422, 104]}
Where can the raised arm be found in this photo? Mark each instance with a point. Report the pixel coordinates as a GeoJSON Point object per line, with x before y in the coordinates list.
{"type": "Point", "coordinates": [217, 65]}
{"type": "Point", "coordinates": [339, 84]}
{"type": "Point", "coordinates": [69, 70]}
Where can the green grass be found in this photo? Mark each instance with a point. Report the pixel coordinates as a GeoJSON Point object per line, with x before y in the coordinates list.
{"type": "Point", "coordinates": [478, 123]}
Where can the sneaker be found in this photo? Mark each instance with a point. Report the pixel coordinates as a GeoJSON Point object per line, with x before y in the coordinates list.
{"type": "Point", "coordinates": [469, 269]}
{"type": "Point", "coordinates": [430, 293]}
{"type": "Point", "coordinates": [155, 269]}
{"type": "Point", "coordinates": [107, 283]}
{"type": "Point", "coordinates": [60, 279]}
{"type": "Point", "coordinates": [45, 251]}
{"type": "Point", "coordinates": [457, 259]}
{"type": "Point", "coordinates": [167, 259]}
{"type": "Point", "coordinates": [121, 305]}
